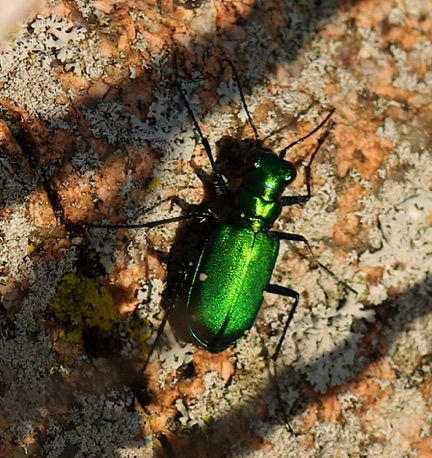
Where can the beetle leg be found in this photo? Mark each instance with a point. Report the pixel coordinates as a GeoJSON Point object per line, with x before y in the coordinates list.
{"type": "Point", "coordinates": [237, 80]}
{"type": "Point", "coordinates": [294, 200]}
{"type": "Point", "coordinates": [295, 238]}
{"type": "Point", "coordinates": [161, 222]}
{"type": "Point", "coordinates": [160, 331]}
{"type": "Point", "coordinates": [315, 262]}
{"type": "Point", "coordinates": [287, 292]}
{"type": "Point", "coordinates": [204, 140]}
{"type": "Point", "coordinates": [188, 214]}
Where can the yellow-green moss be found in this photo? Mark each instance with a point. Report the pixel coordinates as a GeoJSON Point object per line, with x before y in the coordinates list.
{"type": "Point", "coordinates": [154, 183]}
{"type": "Point", "coordinates": [82, 303]}
{"type": "Point", "coordinates": [136, 329]}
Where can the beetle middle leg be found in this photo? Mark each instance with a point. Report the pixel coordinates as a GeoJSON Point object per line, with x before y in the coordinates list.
{"type": "Point", "coordinates": [286, 292]}
{"type": "Point", "coordinates": [300, 238]}
{"type": "Point", "coordinates": [199, 213]}
{"type": "Point", "coordinates": [294, 200]}
{"type": "Point", "coordinates": [221, 185]}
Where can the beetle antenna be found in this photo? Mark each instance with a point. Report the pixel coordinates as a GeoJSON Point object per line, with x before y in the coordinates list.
{"type": "Point", "coordinates": [237, 80]}
{"type": "Point", "coordinates": [318, 127]}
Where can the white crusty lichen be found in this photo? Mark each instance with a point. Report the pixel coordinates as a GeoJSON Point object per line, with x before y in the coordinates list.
{"type": "Point", "coordinates": [28, 66]}
{"type": "Point", "coordinates": [406, 251]}
{"type": "Point", "coordinates": [14, 245]}
{"type": "Point", "coordinates": [99, 426]}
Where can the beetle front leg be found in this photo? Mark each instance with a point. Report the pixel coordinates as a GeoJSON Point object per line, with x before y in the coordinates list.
{"type": "Point", "coordinates": [204, 140]}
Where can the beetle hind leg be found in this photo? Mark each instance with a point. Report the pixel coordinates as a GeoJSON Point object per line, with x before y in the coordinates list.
{"type": "Point", "coordinates": [286, 292]}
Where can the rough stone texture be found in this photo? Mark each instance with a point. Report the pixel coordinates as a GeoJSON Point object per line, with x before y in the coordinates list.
{"type": "Point", "coordinates": [93, 129]}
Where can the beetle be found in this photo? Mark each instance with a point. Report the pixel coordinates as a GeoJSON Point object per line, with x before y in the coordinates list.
{"type": "Point", "coordinates": [237, 261]}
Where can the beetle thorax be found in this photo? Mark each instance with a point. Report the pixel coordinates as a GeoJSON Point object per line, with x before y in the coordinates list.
{"type": "Point", "coordinates": [259, 196]}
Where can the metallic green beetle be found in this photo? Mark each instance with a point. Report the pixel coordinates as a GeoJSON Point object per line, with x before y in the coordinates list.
{"type": "Point", "coordinates": [238, 259]}
{"type": "Point", "coordinates": [237, 262]}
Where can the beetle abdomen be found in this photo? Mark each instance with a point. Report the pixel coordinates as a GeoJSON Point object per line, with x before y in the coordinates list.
{"type": "Point", "coordinates": [234, 269]}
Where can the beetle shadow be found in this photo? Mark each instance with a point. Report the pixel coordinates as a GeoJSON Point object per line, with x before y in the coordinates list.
{"type": "Point", "coordinates": [191, 235]}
